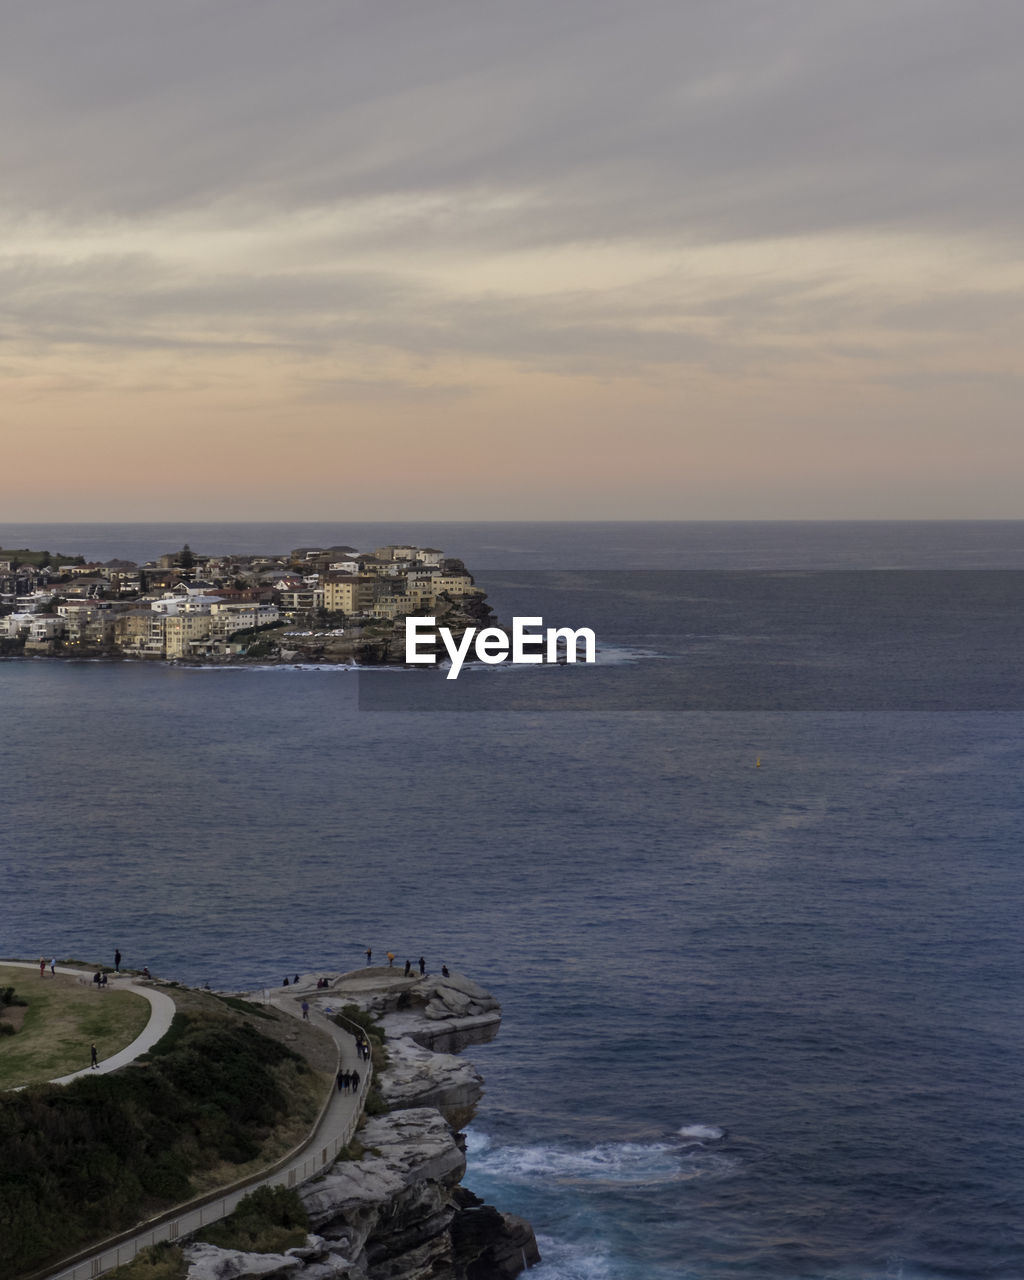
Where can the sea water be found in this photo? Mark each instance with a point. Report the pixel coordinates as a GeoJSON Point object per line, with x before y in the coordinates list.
{"type": "Point", "coordinates": [759, 1021]}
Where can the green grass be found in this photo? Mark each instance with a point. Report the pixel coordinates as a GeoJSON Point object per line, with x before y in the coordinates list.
{"type": "Point", "coordinates": [89, 1159]}
{"type": "Point", "coordinates": [25, 556]}
{"type": "Point", "coordinates": [162, 1261]}
{"type": "Point", "coordinates": [244, 1006]}
{"type": "Point", "coordinates": [63, 1018]}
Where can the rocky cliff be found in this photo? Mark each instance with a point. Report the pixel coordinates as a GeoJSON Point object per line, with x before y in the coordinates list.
{"type": "Point", "coordinates": [399, 1211]}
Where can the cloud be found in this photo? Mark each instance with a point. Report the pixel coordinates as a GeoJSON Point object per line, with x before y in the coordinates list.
{"type": "Point", "coordinates": [711, 227]}
{"type": "Point", "coordinates": [700, 118]}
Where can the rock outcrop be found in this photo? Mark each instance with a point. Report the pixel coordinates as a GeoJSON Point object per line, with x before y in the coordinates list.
{"type": "Point", "coordinates": [418, 1078]}
{"type": "Point", "coordinates": [446, 1014]}
{"type": "Point", "coordinates": [399, 1211]}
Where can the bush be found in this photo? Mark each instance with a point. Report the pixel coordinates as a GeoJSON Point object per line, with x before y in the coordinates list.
{"type": "Point", "coordinates": [362, 1019]}
{"type": "Point", "coordinates": [162, 1261]}
{"type": "Point", "coordinates": [268, 1220]}
{"type": "Point", "coordinates": [89, 1159]}
{"type": "Point", "coordinates": [375, 1104]}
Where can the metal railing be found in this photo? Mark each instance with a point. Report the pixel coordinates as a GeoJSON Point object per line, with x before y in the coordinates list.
{"type": "Point", "coordinates": [200, 1212]}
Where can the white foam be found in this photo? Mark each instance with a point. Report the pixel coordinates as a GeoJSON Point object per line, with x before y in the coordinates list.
{"type": "Point", "coordinates": [476, 1143]}
{"type": "Point", "coordinates": [617, 1163]}
{"type": "Point", "coordinates": [563, 1261]}
{"type": "Point", "coordinates": [702, 1132]}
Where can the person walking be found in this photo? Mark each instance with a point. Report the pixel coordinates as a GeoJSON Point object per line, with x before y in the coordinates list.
{"type": "Point", "coordinates": [95, 1058]}
{"type": "Point", "coordinates": [354, 1079]}
{"type": "Point", "coordinates": [305, 1010]}
{"type": "Point", "coordinates": [53, 966]}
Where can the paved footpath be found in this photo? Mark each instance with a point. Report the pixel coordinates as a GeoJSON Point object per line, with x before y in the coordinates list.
{"type": "Point", "coordinates": [331, 1132]}
{"type": "Point", "coordinates": [160, 1015]}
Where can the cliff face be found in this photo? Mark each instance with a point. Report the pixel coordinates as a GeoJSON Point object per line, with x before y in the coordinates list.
{"type": "Point", "coordinates": [399, 1212]}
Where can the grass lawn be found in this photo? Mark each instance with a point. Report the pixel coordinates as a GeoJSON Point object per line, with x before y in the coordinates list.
{"type": "Point", "coordinates": [63, 1018]}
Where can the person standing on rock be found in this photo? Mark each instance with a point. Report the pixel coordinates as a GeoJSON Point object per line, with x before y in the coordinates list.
{"type": "Point", "coordinates": [408, 967]}
{"type": "Point", "coordinates": [391, 959]}
{"type": "Point", "coordinates": [423, 966]}
{"type": "Point", "coordinates": [117, 961]}
{"type": "Point", "coordinates": [305, 1010]}
{"type": "Point", "coordinates": [369, 956]}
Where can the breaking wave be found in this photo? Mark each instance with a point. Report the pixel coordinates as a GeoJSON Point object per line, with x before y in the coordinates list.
{"type": "Point", "coordinates": [702, 1132]}
{"type": "Point", "coordinates": [606, 1163]}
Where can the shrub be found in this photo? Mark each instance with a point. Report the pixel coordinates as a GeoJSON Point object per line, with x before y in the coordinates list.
{"type": "Point", "coordinates": [162, 1261]}
{"type": "Point", "coordinates": [362, 1019]}
{"type": "Point", "coordinates": [268, 1220]}
{"type": "Point", "coordinates": [88, 1159]}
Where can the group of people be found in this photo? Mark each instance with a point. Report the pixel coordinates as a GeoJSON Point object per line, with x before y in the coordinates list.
{"type": "Point", "coordinates": [348, 1081]}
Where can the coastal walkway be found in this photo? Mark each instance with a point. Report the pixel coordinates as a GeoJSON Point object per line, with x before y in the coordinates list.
{"type": "Point", "coordinates": [332, 1131]}
{"type": "Point", "coordinates": [161, 1007]}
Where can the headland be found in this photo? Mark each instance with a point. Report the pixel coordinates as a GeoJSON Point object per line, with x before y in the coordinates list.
{"type": "Point", "coordinates": [371, 1177]}
{"type": "Point", "coordinates": [309, 605]}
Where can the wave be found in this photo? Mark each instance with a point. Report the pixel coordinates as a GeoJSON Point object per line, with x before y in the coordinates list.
{"type": "Point", "coordinates": [605, 1163]}
{"type": "Point", "coordinates": [561, 1260]}
{"type": "Point", "coordinates": [702, 1132]}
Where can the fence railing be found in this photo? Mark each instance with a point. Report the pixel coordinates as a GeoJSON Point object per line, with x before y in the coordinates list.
{"type": "Point", "coordinates": [190, 1217]}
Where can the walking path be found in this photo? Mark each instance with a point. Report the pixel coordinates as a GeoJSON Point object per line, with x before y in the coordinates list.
{"type": "Point", "coordinates": [332, 1131]}
{"type": "Point", "coordinates": [161, 1012]}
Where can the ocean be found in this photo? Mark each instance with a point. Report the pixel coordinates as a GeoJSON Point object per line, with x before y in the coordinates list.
{"type": "Point", "coordinates": [761, 1020]}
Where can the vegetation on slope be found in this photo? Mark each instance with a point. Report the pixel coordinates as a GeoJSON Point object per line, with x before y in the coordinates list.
{"type": "Point", "coordinates": [87, 1160]}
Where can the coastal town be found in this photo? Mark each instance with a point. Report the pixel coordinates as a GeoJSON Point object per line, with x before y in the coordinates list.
{"type": "Point", "coordinates": [325, 604]}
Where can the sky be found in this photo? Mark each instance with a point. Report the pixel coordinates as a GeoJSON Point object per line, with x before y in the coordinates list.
{"type": "Point", "coordinates": [462, 259]}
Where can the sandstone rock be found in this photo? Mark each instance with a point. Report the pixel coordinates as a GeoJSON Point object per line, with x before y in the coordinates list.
{"type": "Point", "coordinates": [418, 1078]}
{"type": "Point", "coordinates": [207, 1262]}
{"type": "Point", "coordinates": [399, 1213]}
{"type": "Point", "coordinates": [490, 1245]}
{"type": "Point", "coordinates": [417, 1149]}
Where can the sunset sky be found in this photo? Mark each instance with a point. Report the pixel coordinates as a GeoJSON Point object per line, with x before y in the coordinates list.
{"type": "Point", "coordinates": [450, 259]}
